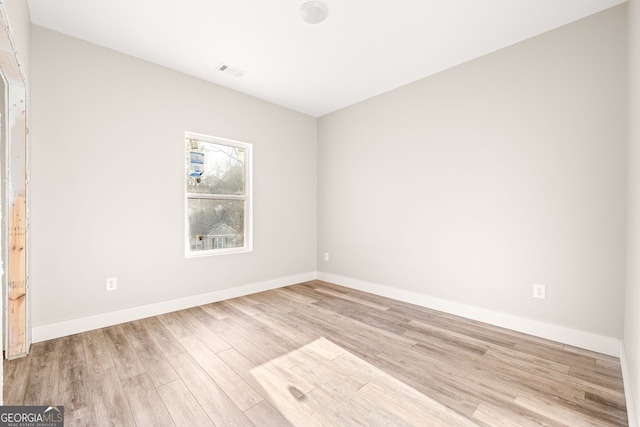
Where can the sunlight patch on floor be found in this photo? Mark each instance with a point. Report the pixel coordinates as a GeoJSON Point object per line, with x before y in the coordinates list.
{"type": "Point", "coordinates": [322, 384]}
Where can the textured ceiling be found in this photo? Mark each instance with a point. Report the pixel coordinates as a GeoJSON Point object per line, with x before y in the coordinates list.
{"type": "Point", "coordinates": [362, 49]}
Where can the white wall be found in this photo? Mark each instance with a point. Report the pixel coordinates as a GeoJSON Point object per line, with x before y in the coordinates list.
{"type": "Point", "coordinates": [107, 178]}
{"type": "Point", "coordinates": [469, 185]}
{"type": "Point", "coordinates": [632, 319]}
{"type": "Point", "coordinates": [474, 184]}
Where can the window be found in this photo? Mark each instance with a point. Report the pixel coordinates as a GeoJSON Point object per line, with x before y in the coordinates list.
{"type": "Point", "coordinates": [217, 195]}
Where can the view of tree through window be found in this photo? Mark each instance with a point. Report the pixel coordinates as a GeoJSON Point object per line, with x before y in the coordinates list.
{"type": "Point", "coordinates": [216, 195]}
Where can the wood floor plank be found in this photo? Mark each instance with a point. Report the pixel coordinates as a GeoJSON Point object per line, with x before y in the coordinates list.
{"type": "Point", "coordinates": [215, 402]}
{"type": "Point", "coordinates": [317, 354]}
{"type": "Point", "coordinates": [80, 417]}
{"type": "Point", "coordinates": [241, 393]}
{"type": "Point", "coordinates": [249, 299]}
{"type": "Point", "coordinates": [373, 318]}
{"type": "Point", "coordinates": [152, 358]}
{"type": "Point", "coordinates": [165, 340]}
{"type": "Point", "coordinates": [437, 384]}
{"type": "Point", "coordinates": [558, 355]}
{"type": "Point", "coordinates": [244, 346]}
{"type": "Point", "coordinates": [238, 316]}
{"type": "Point", "coordinates": [336, 409]}
{"type": "Point", "coordinates": [536, 378]}
{"type": "Point", "coordinates": [73, 387]}
{"type": "Point", "coordinates": [554, 409]}
{"type": "Point", "coordinates": [466, 331]}
{"type": "Point", "coordinates": [326, 316]}
{"type": "Point", "coordinates": [612, 366]}
{"type": "Point", "coordinates": [477, 380]}
{"type": "Point", "coordinates": [241, 366]}
{"type": "Point", "coordinates": [462, 343]}
{"type": "Point", "coordinates": [315, 369]}
{"type": "Point", "coordinates": [599, 357]}
{"type": "Point", "coordinates": [494, 380]}
{"type": "Point", "coordinates": [377, 299]}
{"type": "Point", "coordinates": [126, 360]}
{"type": "Point", "coordinates": [613, 411]}
{"type": "Point", "coordinates": [269, 342]}
{"type": "Point", "coordinates": [294, 405]}
{"type": "Point", "coordinates": [42, 386]}
{"type": "Point", "coordinates": [216, 325]}
{"type": "Point", "coordinates": [414, 408]}
{"type": "Point", "coordinates": [182, 406]}
{"type": "Point", "coordinates": [96, 351]}
{"type": "Point", "coordinates": [16, 375]}
{"type": "Point", "coordinates": [291, 331]}
{"type": "Point", "coordinates": [613, 397]}
{"type": "Point", "coordinates": [243, 305]}
{"type": "Point", "coordinates": [490, 333]}
{"type": "Point", "coordinates": [199, 329]}
{"type": "Point", "coordinates": [279, 371]}
{"type": "Point", "coordinates": [487, 369]}
{"type": "Point", "coordinates": [297, 296]}
{"type": "Point", "coordinates": [172, 322]}
{"type": "Point", "coordinates": [504, 416]}
{"type": "Point", "coordinates": [318, 378]}
{"type": "Point", "coordinates": [355, 336]}
{"type": "Point", "coordinates": [346, 296]}
{"type": "Point", "coordinates": [598, 375]}
{"type": "Point", "coordinates": [524, 361]}
{"type": "Point", "coordinates": [147, 407]}
{"type": "Point", "coordinates": [110, 404]}
{"type": "Point", "coordinates": [325, 348]}
{"type": "Point", "coordinates": [216, 310]}
{"type": "Point", "coordinates": [274, 303]}
{"type": "Point", "coordinates": [265, 415]}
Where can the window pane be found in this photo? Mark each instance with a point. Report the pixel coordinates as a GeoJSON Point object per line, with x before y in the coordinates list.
{"type": "Point", "coordinates": [215, 224]}
{"type": "Point", "coordinates": [214, 168]}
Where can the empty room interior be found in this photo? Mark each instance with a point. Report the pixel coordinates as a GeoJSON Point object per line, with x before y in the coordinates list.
{"type": "Point", "coordinates": [322, 213]}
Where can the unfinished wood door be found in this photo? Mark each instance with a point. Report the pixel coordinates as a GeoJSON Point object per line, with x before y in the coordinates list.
{"type": "Point", "coordinates": [16, 225]}
{"type": "Point", "coordinates": [13, 234]}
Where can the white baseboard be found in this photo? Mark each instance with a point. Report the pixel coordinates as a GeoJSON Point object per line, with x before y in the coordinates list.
{"type": "Point", "coordinates": [96, 321]}
{"type": "Point", "coordinates": [598, 343]}
{"type": "Point", "coordinates": [586, 340]}
{"type": "Point", "coordinates": [628, 389]}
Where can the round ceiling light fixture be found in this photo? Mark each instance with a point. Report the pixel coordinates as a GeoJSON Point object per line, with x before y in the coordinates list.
{"type": "Point", "coordinates": [314, 12]}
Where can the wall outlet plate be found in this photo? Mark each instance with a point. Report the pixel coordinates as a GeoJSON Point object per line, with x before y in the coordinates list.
{"type": "Point", "coordinates": [112, 283]}
{"type": "Point", "coordinates": [539, 291]}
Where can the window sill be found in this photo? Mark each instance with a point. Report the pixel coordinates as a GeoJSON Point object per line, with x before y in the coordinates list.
{"type": "Point", "coordinates": [215, 252]}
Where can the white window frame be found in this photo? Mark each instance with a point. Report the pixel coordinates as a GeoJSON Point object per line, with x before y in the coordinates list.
{"type": "Point", "coordinates": [247, 197]}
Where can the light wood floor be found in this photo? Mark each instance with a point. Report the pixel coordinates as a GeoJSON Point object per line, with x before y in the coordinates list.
{"type": "Point", "coordinates": [316, 354]}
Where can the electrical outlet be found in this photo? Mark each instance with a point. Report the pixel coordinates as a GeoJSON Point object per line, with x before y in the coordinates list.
{"type": "Point", "coordinates": [326, 256]}
{"type": "Point", "coordinates": [112, 283]}
{"type": "Point", "coordinates": [538, 291]}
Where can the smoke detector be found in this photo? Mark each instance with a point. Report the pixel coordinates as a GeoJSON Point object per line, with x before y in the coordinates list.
{"type": "Point", "coordinates": [314, 12]}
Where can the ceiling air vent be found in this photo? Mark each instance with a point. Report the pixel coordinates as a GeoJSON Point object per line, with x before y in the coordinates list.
{"type": "Point", "coordinates": [232, 71]}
